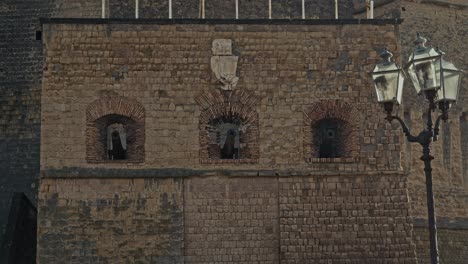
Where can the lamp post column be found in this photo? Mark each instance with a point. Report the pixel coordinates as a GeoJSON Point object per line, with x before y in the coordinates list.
{"type": "Point", "coordinates": [427, 158]}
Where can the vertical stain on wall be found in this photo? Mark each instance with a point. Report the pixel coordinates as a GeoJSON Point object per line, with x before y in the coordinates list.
{"type": "Point", "coordinates": [464, 146]}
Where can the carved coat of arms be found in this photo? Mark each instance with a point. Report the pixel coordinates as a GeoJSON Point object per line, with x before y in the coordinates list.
{"type": "Point", "coordinates": [224, 64]}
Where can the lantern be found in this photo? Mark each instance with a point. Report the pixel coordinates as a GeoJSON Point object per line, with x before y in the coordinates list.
{"type": "Point", "coordinates": [388, 78]}
{"type": "Point", "coordinates": [449, 78]}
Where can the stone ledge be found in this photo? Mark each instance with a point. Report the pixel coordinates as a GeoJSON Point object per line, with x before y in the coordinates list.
{"type": "Point", "coordinates": [108, 173]}
{"type": "Point", "coordinates": [332, 160]}
{"type": "Point", "coordinates": [222, 21]}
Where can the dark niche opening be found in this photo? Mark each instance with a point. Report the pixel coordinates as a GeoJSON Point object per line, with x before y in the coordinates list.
{"type": "Point", "coordinates": [227, 137]}
{"type": "Point", "coordinates": [328, 138]}
{"type": "Point", "coordinates": [117, 137]}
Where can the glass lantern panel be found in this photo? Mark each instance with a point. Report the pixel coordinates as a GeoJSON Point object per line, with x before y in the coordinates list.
{"type": "Point", "coordinates": [423, 53]}
{"type": "Point", "coordinates": [423, 75]}
{"type": "Point", "coordinates": [449, 91]}
{"type": "Point", "coordinates": [451, 81]}
{"type": "Point", "coordinates": [401, 80]}
{"type": "Point", "coordinates": [386, 86]}
{"type": "Point", "coordinates": [422, 69]}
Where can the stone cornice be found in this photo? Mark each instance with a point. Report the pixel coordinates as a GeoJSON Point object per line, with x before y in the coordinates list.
{"type": "Point", "coordinates": [75, 172]}
{"type": "Point", "coordinates": [221, 21]}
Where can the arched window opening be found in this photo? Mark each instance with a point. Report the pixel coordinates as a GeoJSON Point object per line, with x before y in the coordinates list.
{"type": "Point", "coordinates": [115, 131]}
{"type": "Point", "coordinates": [328, 138]}
{"type": "Point", "coordinates": [227, 138]}
{"type": "Point", "coordinates": [117, 137]}
{"type": "Point", "coordinates": [228, 126]}
{"type": "Point", "coordinates": [331, 132]}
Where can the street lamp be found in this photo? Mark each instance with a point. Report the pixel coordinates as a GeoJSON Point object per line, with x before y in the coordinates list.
{"type": "Point", "coordinates": [439, 81]}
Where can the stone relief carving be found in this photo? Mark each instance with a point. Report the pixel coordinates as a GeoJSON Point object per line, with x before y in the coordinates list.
{"type": "Point", "coordinates": [224, 64]}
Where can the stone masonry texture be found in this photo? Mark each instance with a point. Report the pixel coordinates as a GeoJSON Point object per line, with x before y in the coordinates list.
{"type": "Point", "coordinates": [444, 25]}
{"type": "Point", "coordinates": [289, 67]}
{"type": "Point", "coordinates": [22, 61]}
{"type": "Point", "coordinates": [118, 221]}
{"type": "Point", "coordinates": [301, 212]}
{"type": "Point", "coordinates": [20, 85]}
{"type": "Point", "coordinates": [21, 68]}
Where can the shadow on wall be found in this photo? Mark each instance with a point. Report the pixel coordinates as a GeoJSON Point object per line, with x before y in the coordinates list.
{"type": "Point", "coordinates": [19, 245]}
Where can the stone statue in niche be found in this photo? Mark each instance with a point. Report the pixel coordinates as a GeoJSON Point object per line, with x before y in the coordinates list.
{"type": "Point", "coordinates": [224, 64]}
{"type": "Point", "coordinates": [226, 135]}
{"type": "Point", "coordinates": [116, 142]}
{"type": "Point", "coordinates": [229, 150]}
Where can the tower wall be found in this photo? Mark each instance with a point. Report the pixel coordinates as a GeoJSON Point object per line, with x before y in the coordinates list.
{"type": "Point", "coordinates": [444, 24]}
{"type": "Point", "coordinates": [280, 203]}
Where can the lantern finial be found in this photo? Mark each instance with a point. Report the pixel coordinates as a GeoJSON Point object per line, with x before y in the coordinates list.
{"type": "Point", "coordinates": [420, 41]}
{"type": "Point", "coordinates": [386, 55]}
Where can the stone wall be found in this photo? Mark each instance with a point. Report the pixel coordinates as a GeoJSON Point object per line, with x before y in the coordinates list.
{"type": "Point", "coordinates": [165, 68]}
{"type": "Point", "coordinates": [231, 220]}
{"type": "Point", "coordinates": [225, 219]}
{"type": "Point", "coordinates": [283, 206]}
{"type": "Point", "coordinates": [345, 219]}
{"type": "Point", "coordinates": [21, 68]}
{"type": "Point", "coordinates": [20, 85]}
{"type": "Point", "coordinates": [225, 9]}
{"type": "Point", "coordinates": [444, 26]}
{"type": "Point", "coordinates": [453, 245]}
{"type": "Point", "coordinates": [219, 9]}
{"type": "Point", "coordinates": [110, 221]}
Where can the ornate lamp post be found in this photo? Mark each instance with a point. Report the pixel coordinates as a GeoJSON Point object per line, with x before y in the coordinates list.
{"type": "Point", "coordinates": [439, 81]}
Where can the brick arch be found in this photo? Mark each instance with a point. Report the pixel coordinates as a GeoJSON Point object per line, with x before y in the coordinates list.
{"type": "Point", "coordinates": [115, 109]}
{"type": "Point", "coordinates": [239, 104]}
{"type": "Point", "coordinates": [116, 105]}
{"type": "Point", "coordinates": [332, 109]}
